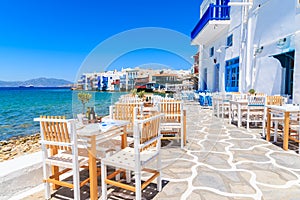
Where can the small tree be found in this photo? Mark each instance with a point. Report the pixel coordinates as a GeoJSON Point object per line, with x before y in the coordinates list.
{"type": "Point", "coordinates": [84, 98]}
{"type": "Point", "coordinates": [251, 91]}
{"type": "Point", "coordinates": [141, 94]}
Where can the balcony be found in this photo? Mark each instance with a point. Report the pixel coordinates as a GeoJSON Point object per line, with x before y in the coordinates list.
{"type": "Point", "coordinates": [213, 22]}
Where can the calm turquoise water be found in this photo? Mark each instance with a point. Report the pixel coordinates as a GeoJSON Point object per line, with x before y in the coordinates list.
{"type": "Point", "coordinates": [18, 107]}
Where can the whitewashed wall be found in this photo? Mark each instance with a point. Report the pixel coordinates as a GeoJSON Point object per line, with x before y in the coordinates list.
{"type": "Point", "coordinates": [269, 76]}
{"type": "Point", "coordinates": [296, 97]}
{"type": "Point", "coordinates": [272, 20]}
{"type": "Point", "coordinates": [269, 21]}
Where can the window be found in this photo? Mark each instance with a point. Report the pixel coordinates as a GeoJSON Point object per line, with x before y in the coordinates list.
{"type": "Point", "coordinates": [212, 51]}
{"type": "Point", "coordinates": [232, 75]}
{"type": "Point", "coordinates": [229, 39]}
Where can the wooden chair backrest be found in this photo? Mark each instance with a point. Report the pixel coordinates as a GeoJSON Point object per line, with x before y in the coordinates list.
{"type": "Point", "coordinates": [55, 129]}
{"type": "Point", "coordinates": [129, 99]}
{"type": "Point", "coordinates": [125, 111]}
{"type": "Point", "coordinates": [172, 110]}
{"type": "Point", "coordinates": [256, 100]}
{"type": "Point", "coordinates": [260, 94]}
{"type": "Point", "coordinates": [236, 97]}
{"type": "Point", "coordinates": [156, 99]}
{"type": "Point", "coordinates": [275, 100]}
{"type": "Point", "coordinates": [147, 131]}
{"type": "Point", "coordinates": [226, 97]}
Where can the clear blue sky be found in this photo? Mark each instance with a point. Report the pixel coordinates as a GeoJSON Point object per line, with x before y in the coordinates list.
{"type": "Point", "coordinates": [51, 38]}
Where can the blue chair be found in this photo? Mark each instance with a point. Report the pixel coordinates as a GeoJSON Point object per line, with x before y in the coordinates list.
{"type": "Point", "coordinates": [208, 100]}
{"type": "Point", "coordinates": [201, 100]}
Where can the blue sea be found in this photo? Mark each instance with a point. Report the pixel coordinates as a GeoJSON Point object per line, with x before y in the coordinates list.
{"type": "Point", "coordinates": [19, 106]}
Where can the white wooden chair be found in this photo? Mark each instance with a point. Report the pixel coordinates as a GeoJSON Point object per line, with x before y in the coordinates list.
{"type": "Point", "coordinates": [156, 99]}
{"type": "Point", "coordinates": [59, 146]}
{"type": "Point", "coordinates": [294, 134]}
{"type": "Point", "coordinates": [125, 111]}
{"type": "Point", "coordinates": [276, 117]}
{"type": "Point", "coordinates": [146, 148]}
{"type": "Point", "coordinates": [129, 98]}
{"type": "Point", "coordinates": [237, 96]}
{"type": "Point", "coordinates": [224, 105]}
{"type": "Point", "coordinates": [174, 120]}
{"type": "Point", "coordinates": [255, 110]}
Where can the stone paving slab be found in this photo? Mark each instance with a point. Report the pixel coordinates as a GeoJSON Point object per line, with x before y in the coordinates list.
{"type": "Point", "coordinates": [230, 163]}
{"type": "Point", "coordinates": [223, 162]}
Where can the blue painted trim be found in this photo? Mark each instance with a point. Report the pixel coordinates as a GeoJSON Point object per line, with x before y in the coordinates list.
{"type": "Point", "coordinates": [232, 85]}
{"type": "Point", "coordinates": [213, 12]}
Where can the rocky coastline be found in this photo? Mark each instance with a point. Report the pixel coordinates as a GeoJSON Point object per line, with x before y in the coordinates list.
{"type": "Point", "coordinates": [18, 146]}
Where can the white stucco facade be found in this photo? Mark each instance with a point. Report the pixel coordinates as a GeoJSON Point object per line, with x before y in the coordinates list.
{"type": "Point", "coordinates": [265, 39]}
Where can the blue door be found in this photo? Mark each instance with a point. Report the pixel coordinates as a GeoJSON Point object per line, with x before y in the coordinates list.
{"type": "Point", "coordinates": [217, 71]}
{"type": "Point", "coordinates": [232, 75]}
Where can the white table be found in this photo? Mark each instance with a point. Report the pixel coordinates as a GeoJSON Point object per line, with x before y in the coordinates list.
{"type": "Point", "coordinates": [98, 133]}
{"type": "Point", "coordinates": [239, 104]}
{"type": "Point", "coordinates": [286, 110]}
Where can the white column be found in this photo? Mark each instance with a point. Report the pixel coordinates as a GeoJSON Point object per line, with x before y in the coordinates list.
{"type": "Point", "coordinates": [296, 85]}
{"type": "Point", "coordinates": [249, 53]}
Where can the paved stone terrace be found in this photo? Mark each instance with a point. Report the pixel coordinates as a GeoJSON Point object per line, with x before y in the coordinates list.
{"type": "Point", "coordinates": [224, 162]}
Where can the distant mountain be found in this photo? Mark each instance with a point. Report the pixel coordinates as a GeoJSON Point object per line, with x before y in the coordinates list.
{"type": "Point", "coordinates": [39, 82]}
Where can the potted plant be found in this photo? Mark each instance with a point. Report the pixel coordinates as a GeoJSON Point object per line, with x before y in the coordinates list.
{"type": "Point", "coordinates": [84, 97]}
{"type": "Point", "coordinates": [251, 91]}
{"type": "Point", "coordinates": [141, 94]}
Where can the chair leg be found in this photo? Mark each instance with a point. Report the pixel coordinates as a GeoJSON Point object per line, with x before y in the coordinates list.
{"type": "Point", "coordinates": [264, 125]}
{"type": "Point", "coordinates": [46, 184]}
{"type": "Point", "coordinates": [275, 131]}
{"type": "Point", "coordinates": [299, 139]}
{"type": "Point", "coordinates": [118, 177]}
{"type": "Point", "coordinates": [158, 167]}
{"type": "Point", "coordinates": [181, 138]}
{"type": "Point", "coordinates": [138, 186]}
{"type": "Point", "coordinates": [76, 183]}
{"type": "Point", "coordinates": [248, 119]}
{"type": "Point", "coordinates": [128, 176]}
{"type": "Point", "coordinates": [103, 184]}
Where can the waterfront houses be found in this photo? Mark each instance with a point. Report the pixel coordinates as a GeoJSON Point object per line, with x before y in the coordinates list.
{"type": "Point", "coordinates": [245, 44]}
{"type": "Point", "coordinates": [102, 81]}
{"type": "Point", "coordinates": [128, 79]}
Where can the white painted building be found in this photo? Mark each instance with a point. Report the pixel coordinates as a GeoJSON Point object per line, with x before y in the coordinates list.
{"type": "Point", "coordinates": [246, 44]}
{"type": "Point", "coordinates": [102, 81]}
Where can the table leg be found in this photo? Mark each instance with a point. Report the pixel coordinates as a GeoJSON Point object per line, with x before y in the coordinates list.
{"type": "Point", "coordinates": [230, 110]}
{"type": "Point", "coordinates": [218, 109]}
{"type": "Point", "coordinates": [268, 124]}
{"type": "Point", "coordinates": [124, 138]}
{"type": "Point", "coordinates": [93, 169]}
{"type": "Point", "coordinates": [222, 111]}
{"type": "Point", "coordinates": [286, 131]}
{"type": "Point", "coordinates": [239, 115]}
